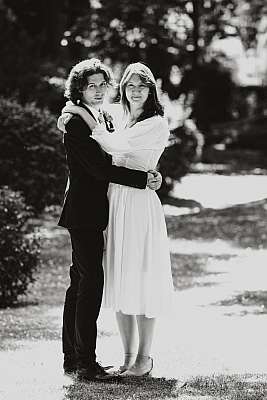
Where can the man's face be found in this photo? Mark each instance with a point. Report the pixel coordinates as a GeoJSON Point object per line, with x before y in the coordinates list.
{"type": "Point", "coordinates": [94, 92]}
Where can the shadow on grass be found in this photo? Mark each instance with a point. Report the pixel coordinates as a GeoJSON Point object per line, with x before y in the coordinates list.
{"type": "Point", "coordinates": [230, 387]}
{"type": "Point", "coordinates": [245, 225]}
{"type": "Point", "coordinates": [52, 277]}
{"type": "Point", "coordinates": [179, 202]}
{"type": "Point", "coordinates": [29, 322]}
{"type": "Point", "coordinates": [191, 270]}
{"type": "Point", "coordinates": [250, 302]}
{"type": "Point", "coordinates": [147, 388]}
{"type": "Point", "coordinates": [29, 318]}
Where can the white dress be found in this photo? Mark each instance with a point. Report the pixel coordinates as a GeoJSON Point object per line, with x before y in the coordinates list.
{"type": "Point", "coordinates": [136, 261]}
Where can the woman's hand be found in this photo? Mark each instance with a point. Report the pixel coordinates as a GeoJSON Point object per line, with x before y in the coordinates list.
{"type": "Point", "coordinates": [63, 120]}
{"type": "Point", "coordinates": [71, 108]}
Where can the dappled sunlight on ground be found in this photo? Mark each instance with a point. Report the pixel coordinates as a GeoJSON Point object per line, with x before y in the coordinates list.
{"type": "Point", "coordinates": [218, 324]}
{"type": "Point", "coordinates": [173, 210]}
{"type": "Point", "coordinates": [237, 270]}
{"type": "Point", "coordinates": [212, 248]}
{"type": "Point", "coordinates": [200, 340]}
{"type": "Point", "coordinates": [218, 191]}
{"type": "Point", "coordinates": [200, 337]}
{"type": "Point", "coordinates": [33, 372]}
{"type": "Point", "coordinates": [211, 333]}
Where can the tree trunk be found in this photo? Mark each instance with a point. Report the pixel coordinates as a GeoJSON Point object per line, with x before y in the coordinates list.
{"type": "Point", "coordinates": [195, 17]}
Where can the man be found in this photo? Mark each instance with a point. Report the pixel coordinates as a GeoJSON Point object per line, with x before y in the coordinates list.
{"type": "Point", "coordinates": [85, 215]}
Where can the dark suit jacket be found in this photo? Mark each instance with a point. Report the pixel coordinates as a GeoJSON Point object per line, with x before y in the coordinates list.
{"type": "Point", "coordinates": [90, 171]}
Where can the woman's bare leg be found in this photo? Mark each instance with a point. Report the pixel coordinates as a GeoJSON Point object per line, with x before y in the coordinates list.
{"type": "Point", "coordinates": [146, 332]}
{"type": "Point", "coordinates": [128, 331]}
{"type": "Point", "coordinates": [143, 363]}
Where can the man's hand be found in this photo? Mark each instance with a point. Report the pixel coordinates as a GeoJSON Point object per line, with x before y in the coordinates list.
{"type": "Point", "coordinates": [154, 180]}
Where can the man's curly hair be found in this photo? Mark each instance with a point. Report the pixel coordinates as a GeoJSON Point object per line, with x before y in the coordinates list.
{"type": "Point", "coordinates": [77, 79]}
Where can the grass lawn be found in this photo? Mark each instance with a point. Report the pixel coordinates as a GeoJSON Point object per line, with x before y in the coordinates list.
{"type": "Point", "coordinates": [200, 388]}
{"type": "Point", "coordinates": [243, 225]}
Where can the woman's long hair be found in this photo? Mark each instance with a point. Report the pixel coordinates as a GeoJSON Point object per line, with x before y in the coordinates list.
{"type": "Point", "coordinates": [152, 105]}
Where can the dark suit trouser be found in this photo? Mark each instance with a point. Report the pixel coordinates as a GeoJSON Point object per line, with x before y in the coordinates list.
{"type": "Point", "coordinates": [84, 296]}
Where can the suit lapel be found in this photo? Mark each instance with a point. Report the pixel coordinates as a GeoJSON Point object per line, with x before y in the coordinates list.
{"type": "Point", "coordinates": [88, 110]}
{"type": "Point", "coordinates": [109, 125]}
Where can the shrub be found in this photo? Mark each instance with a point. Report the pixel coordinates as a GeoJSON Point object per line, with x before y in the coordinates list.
{"type": "Point", "coordinates": [185, 147]}
{"type": "Point", "coordinates": [210, 89]}
{"type": "Point", "coordinates": [19, 251]}
{"type": "Point", "coordinates": [32, 156]}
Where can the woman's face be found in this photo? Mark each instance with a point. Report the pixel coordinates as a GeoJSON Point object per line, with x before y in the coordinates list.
{"type": "Point", "coordinates": [136, 91]}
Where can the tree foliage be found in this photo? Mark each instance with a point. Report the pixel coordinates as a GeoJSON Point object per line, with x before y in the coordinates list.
{"type": "Point", "coordinates": [127, 31]}
{"type": "Point", "coordinates": [42, 20]}
{"type": "Point", "coordinates": [15, 63]}
{"type": "Point", "coordinates": [162, 33]}
{"type": "Point", "coordinates": [220, 19]}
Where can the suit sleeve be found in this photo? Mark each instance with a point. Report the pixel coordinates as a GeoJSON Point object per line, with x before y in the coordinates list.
{"type": "Point", "coordinates": [87, 152]}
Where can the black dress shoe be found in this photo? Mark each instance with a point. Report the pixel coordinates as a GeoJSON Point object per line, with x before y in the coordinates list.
{"type": "Point", "coordinates": [106, 367]}
{"type": "Point", "coordinates": [69, 365]}
{"type": "Point", "coordinates": [96, 373]}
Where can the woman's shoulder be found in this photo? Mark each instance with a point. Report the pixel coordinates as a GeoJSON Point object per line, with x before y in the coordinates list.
{"type": "Point", "coordinates": [156, 121]}
{"type": "Point", "coordinates": [115, 109]}
{"type": "Point", "coordinates": [161, 129]}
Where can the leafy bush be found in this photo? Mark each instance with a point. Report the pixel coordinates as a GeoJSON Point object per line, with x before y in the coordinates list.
{"type": "Point", "coordinates": [32, 156]}
{"type": "Point", "coordinates": [209, 89]}
{"type": "Point", "coordinates": [185, 147]}
{"type": "Point", "coordinates": [19, 251]}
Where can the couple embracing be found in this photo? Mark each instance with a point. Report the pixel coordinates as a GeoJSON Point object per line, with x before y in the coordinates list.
{"type": "Point", "coordinates": [111, 192]}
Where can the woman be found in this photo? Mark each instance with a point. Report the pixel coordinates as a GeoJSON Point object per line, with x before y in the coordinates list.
{"type": "Point", "coordinates": [138, 281]}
